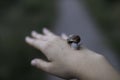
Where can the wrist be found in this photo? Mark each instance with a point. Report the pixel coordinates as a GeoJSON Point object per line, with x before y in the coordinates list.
{"type": "Point", "coordinates": [100, 70]}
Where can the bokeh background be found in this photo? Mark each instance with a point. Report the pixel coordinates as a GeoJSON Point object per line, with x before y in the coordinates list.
{"type": "Point", "coordinates": [97, 22]}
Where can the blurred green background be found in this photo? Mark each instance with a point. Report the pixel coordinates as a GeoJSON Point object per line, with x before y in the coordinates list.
{"type": "Point", "coordinates": [19, 17]}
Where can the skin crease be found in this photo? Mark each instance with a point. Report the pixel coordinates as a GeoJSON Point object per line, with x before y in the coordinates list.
{"type": "Point", "coordinates": [66, 62]}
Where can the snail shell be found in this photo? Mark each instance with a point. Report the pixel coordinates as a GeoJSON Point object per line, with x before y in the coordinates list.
{"type": "Point", "coordinates": [73, 39]}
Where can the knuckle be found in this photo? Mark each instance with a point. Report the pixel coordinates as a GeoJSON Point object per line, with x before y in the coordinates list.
{"type": "Point", "coordinates": [51, 42]}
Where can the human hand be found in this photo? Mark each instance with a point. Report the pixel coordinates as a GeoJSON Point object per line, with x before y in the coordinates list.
{"type": "Point", "coordinates": [64, 61]}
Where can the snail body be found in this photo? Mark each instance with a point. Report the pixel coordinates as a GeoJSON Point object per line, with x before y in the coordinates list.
{"type": "Point", "coordinates": [73, 41]}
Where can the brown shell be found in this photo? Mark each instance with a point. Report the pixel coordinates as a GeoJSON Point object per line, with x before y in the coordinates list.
{"type": "Point", "coordinates": [74, 38]}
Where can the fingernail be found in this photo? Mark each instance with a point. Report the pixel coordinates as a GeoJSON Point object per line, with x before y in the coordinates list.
{"type": "Point", "coordinates": [33, 32]}
{"type": "Point", "coordinates": [34, 62]}
{"type": "Point", "coordinates": [28, 39]}
{"type": "Point", "coordinates": [45, 29]}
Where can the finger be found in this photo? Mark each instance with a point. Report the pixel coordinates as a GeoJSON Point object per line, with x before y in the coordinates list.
{"type": "Point", "coordinates": [36, 35]}
{"type": "Point", "coordinates": [64, 36]}
{"type": "Point", "coordinates": [41, 64]}
{"type": "Point", "coordinates": [47, 32]}
{"type": "Point", "coordinates": [39, 44]}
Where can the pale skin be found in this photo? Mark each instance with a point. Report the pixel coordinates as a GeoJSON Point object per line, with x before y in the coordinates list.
{"type": "Point", "coordinates": [66, 62]}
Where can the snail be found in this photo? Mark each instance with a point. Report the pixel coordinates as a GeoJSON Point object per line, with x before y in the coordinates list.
{"type": "Point", "coordinates": [74, 41]}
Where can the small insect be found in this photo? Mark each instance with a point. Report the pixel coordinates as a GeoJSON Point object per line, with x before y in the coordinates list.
{"type": "Point", "coordinates": [73, 41]}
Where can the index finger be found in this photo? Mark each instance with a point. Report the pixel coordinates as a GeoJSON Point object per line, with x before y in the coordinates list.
{"type": "Point", "coordinates": [48, 32]}
{"type": "Point", "coordinates": [39, 44]}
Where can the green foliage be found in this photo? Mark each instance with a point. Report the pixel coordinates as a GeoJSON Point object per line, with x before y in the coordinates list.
{"type": "Point", "coordinates": [18, 18]}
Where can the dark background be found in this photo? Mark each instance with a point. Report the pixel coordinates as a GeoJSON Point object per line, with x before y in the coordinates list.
{"type": "Point", "coordinates": [19, 17]}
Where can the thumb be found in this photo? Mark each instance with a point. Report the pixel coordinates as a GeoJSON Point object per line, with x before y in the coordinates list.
{"type": "Point", "coordinates": [41, 64]}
